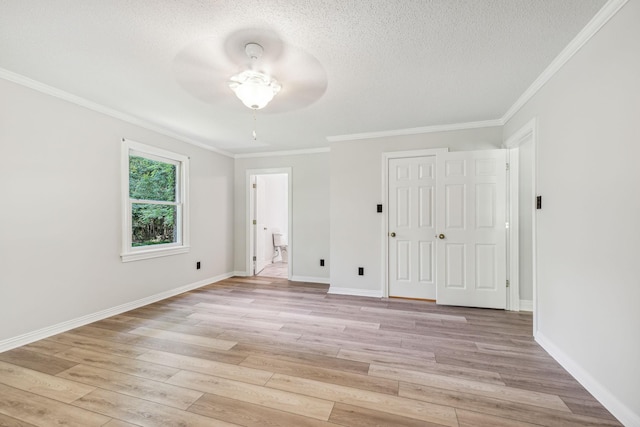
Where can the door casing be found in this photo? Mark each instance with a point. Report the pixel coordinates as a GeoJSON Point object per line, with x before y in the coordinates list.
{"type": "Point", "coordinates": [524, 135]}
{"type": "Point", "coordinates": [249, 201]}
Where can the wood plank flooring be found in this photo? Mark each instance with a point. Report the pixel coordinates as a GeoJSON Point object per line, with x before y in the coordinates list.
{"type": "Point", "coordinates": [267, 352]}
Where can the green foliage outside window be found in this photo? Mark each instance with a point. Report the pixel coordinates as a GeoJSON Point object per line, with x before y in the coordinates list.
{"type": "Point", "coordinates": [152, 223]}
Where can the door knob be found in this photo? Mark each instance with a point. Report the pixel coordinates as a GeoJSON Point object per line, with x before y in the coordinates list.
{"type": "Point", "coordinates": [441, 236]}
{"type": "Point", "coordinates": [392, 234]}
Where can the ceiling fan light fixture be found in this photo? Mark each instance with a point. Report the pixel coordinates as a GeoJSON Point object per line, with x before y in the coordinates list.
{"type": "Point", "coordinates": [254, 89]}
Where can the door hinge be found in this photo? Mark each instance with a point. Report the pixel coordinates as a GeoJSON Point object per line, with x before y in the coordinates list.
{"type": "Point", "coordinates": [254, 185]}
{"type": "Point", "coordinates": [255, 259]}
{"type": "Point", "coordinates": [507, 166]}
{"type": "Point", "coordinates": [507, 283]}
{"type": "Point", "coordinates": [254, 222]}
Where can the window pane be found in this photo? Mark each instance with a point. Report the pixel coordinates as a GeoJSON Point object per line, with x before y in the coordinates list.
{"type": "Point", "coordinates": [153, 224]}
{"type": "Point", "coordinates": [151, 180]}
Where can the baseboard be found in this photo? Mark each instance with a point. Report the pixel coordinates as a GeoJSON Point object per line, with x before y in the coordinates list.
{"type": "Point", "coordinates": [240, 274]}
{"type": "Point", "coordinates": [323, 280]}
{"type": "Point", "coordinates": [355, 292]}
{"type": "Point", "coordinates": [624, 414]}
{"type": "Point", "coordinates": [58, 328]}
{"type": "Point", "coordinates": [526, 305]}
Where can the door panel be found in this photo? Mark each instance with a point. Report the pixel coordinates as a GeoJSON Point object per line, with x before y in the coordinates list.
{"type": "Point", "coordinates": [486, 265]}
{"type": "Point", "coordinates": [425, 206]}
{"type": "Point", "coordinates": [412, 219]}
{"type": "Point", "coordinates": [471, 215]}
{"type": "Point", "coordinates": [404, 260]}
{"type": "Point", "coordinates": [426, 262]}
{"type": "Point", "coordinates": [456, 266]}
{"type": "Point", "coordinates": [455, 206]}
{"type": "Point", "coordinates": [263, 256]}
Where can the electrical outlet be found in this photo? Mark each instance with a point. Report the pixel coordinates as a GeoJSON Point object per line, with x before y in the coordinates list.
{"type": "Point", "coordinates": [198, 265]}
{"type": "Point", "coordinates": [321, 263]}
{"type": "Point", "coordinates": [360, 271]}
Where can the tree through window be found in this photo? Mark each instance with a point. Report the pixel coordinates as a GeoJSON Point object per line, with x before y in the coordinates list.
{"type": "Point", "coordinates": [155, 202]}
{"type": "Point", "coordinates": [152, 189]}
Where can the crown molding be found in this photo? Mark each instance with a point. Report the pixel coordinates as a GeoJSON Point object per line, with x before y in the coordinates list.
{"type": "Point", "coordinates": [82, 102]}
{"type": "Point", "coordinates": [416, 131]}
{"type": "Point", "coordinates": [597, 22]}
{"type": "Point", "coordinates": [602, 17]}
{"type": "Point", "coordinates": [283, 153]}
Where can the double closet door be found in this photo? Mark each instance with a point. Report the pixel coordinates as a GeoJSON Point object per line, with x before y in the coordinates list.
{"type": "Point", "coordinates": [447, 234]}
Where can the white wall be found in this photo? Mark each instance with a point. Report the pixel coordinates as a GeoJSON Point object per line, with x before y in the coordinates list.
{"type": "Point", "coordinates": [60, 214]}
{"type": "Point", "coordinates": [356, 188]}
{"type": "Point", "coordinates": [588, 231]}
{"type": "Point", "coordinates": [309, 237]}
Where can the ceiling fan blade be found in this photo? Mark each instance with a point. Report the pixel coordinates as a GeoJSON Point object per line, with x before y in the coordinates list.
{"type": "Point", "coordinates": [205, 67]}
{"type": "Point", "coordinates": [303, 80]}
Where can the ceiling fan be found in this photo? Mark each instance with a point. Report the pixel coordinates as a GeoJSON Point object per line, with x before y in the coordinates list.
{"type": "Point", "coordinates": [253, 87]}
{"type": "Point", "coordinates": [263, 71]}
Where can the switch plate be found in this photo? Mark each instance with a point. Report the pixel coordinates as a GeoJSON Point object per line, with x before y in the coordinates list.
{"type": "Point", "coordinates": [360, 271]}
{"type": "Point", "coordinates": [538, 202]}
{"type": "Point", "coordinates": [198, 265]}
{"type": "Point", "coordinates": [379, 208]}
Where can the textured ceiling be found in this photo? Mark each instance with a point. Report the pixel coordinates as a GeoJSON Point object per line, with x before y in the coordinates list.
{"type": "Point", "coordinates": [388, 65]}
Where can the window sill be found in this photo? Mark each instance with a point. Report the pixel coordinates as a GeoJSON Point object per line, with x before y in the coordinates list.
{"type": "Point", "coordinates": [153, 253]}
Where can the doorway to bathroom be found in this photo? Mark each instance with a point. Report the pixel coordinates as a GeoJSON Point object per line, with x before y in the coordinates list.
{"type": "Point", "coordinates": [270, 223]}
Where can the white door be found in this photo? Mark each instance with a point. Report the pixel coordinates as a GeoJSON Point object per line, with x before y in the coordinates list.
{"type": "Point", "coordinates": [261, 226]}
{"type": "Point", "coordinates": [471, 218]}
{"type": "Point", "coordinates": [412, 227]}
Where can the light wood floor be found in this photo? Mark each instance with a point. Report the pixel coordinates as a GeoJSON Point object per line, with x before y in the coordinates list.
{"type": "Point", "coordinates": [267, 352]}
{"type": "Point", "coordinates": [277, 270]}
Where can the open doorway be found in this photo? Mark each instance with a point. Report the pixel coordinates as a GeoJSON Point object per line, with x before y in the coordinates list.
{"type": "Point", "coordinates": [269, 225]}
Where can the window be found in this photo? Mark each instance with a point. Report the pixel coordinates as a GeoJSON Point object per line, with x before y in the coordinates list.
{"type": "Point", "coordinates": [154, 192]}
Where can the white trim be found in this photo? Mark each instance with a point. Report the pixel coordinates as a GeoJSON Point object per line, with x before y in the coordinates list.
{"type": "Point", "coordinates": [181, 161]}
{"type": "Point", "coordinates": [526, 305]}
{"type": "Point", "coordinates": [597, 22]}
{"type": "Point", "coordinates": [513, 232]}
{"type": "Point", "coordinates": [82, 102]}
{"type": "Point", "coordinates": [154, 252]}
{"type": "Point", "coordinates": [49, 331]}
{"type": "Point", "coordinates": [355, 292]}
{"type": "Point", "coordinates": [309, 279]}
{"type": "Point", "coordinates": [521, 135]}
{"type": "Point", "coordinates": [602, 17]}
{"type": "Point", "coordinates": [283, 153]}
{"type": "Point", "coordinates": [528, 132]}
{"type": "Point", "coordinates": [249, 209]}
{"type": "Point", "coordinates": [240, 273]}
{"type": "Point", "coordinates": [618, 409]}
{"type": "Point", "coordinates": [417, 130]}
{"type": "Point", "coordinates": [414, 153]}
{"type": "Point", "coordinates": [386, 156]}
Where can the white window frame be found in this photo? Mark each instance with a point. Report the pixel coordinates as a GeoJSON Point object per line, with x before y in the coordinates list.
{"type": "Point", "coordinates": [181, 245]}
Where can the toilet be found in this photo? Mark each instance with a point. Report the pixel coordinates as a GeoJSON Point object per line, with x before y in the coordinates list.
{"type": "Point", "coordinates": [280, 245]}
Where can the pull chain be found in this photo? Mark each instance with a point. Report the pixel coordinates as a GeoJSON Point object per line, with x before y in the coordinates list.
{"type": "Point", "coordinates": [255, 136]}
